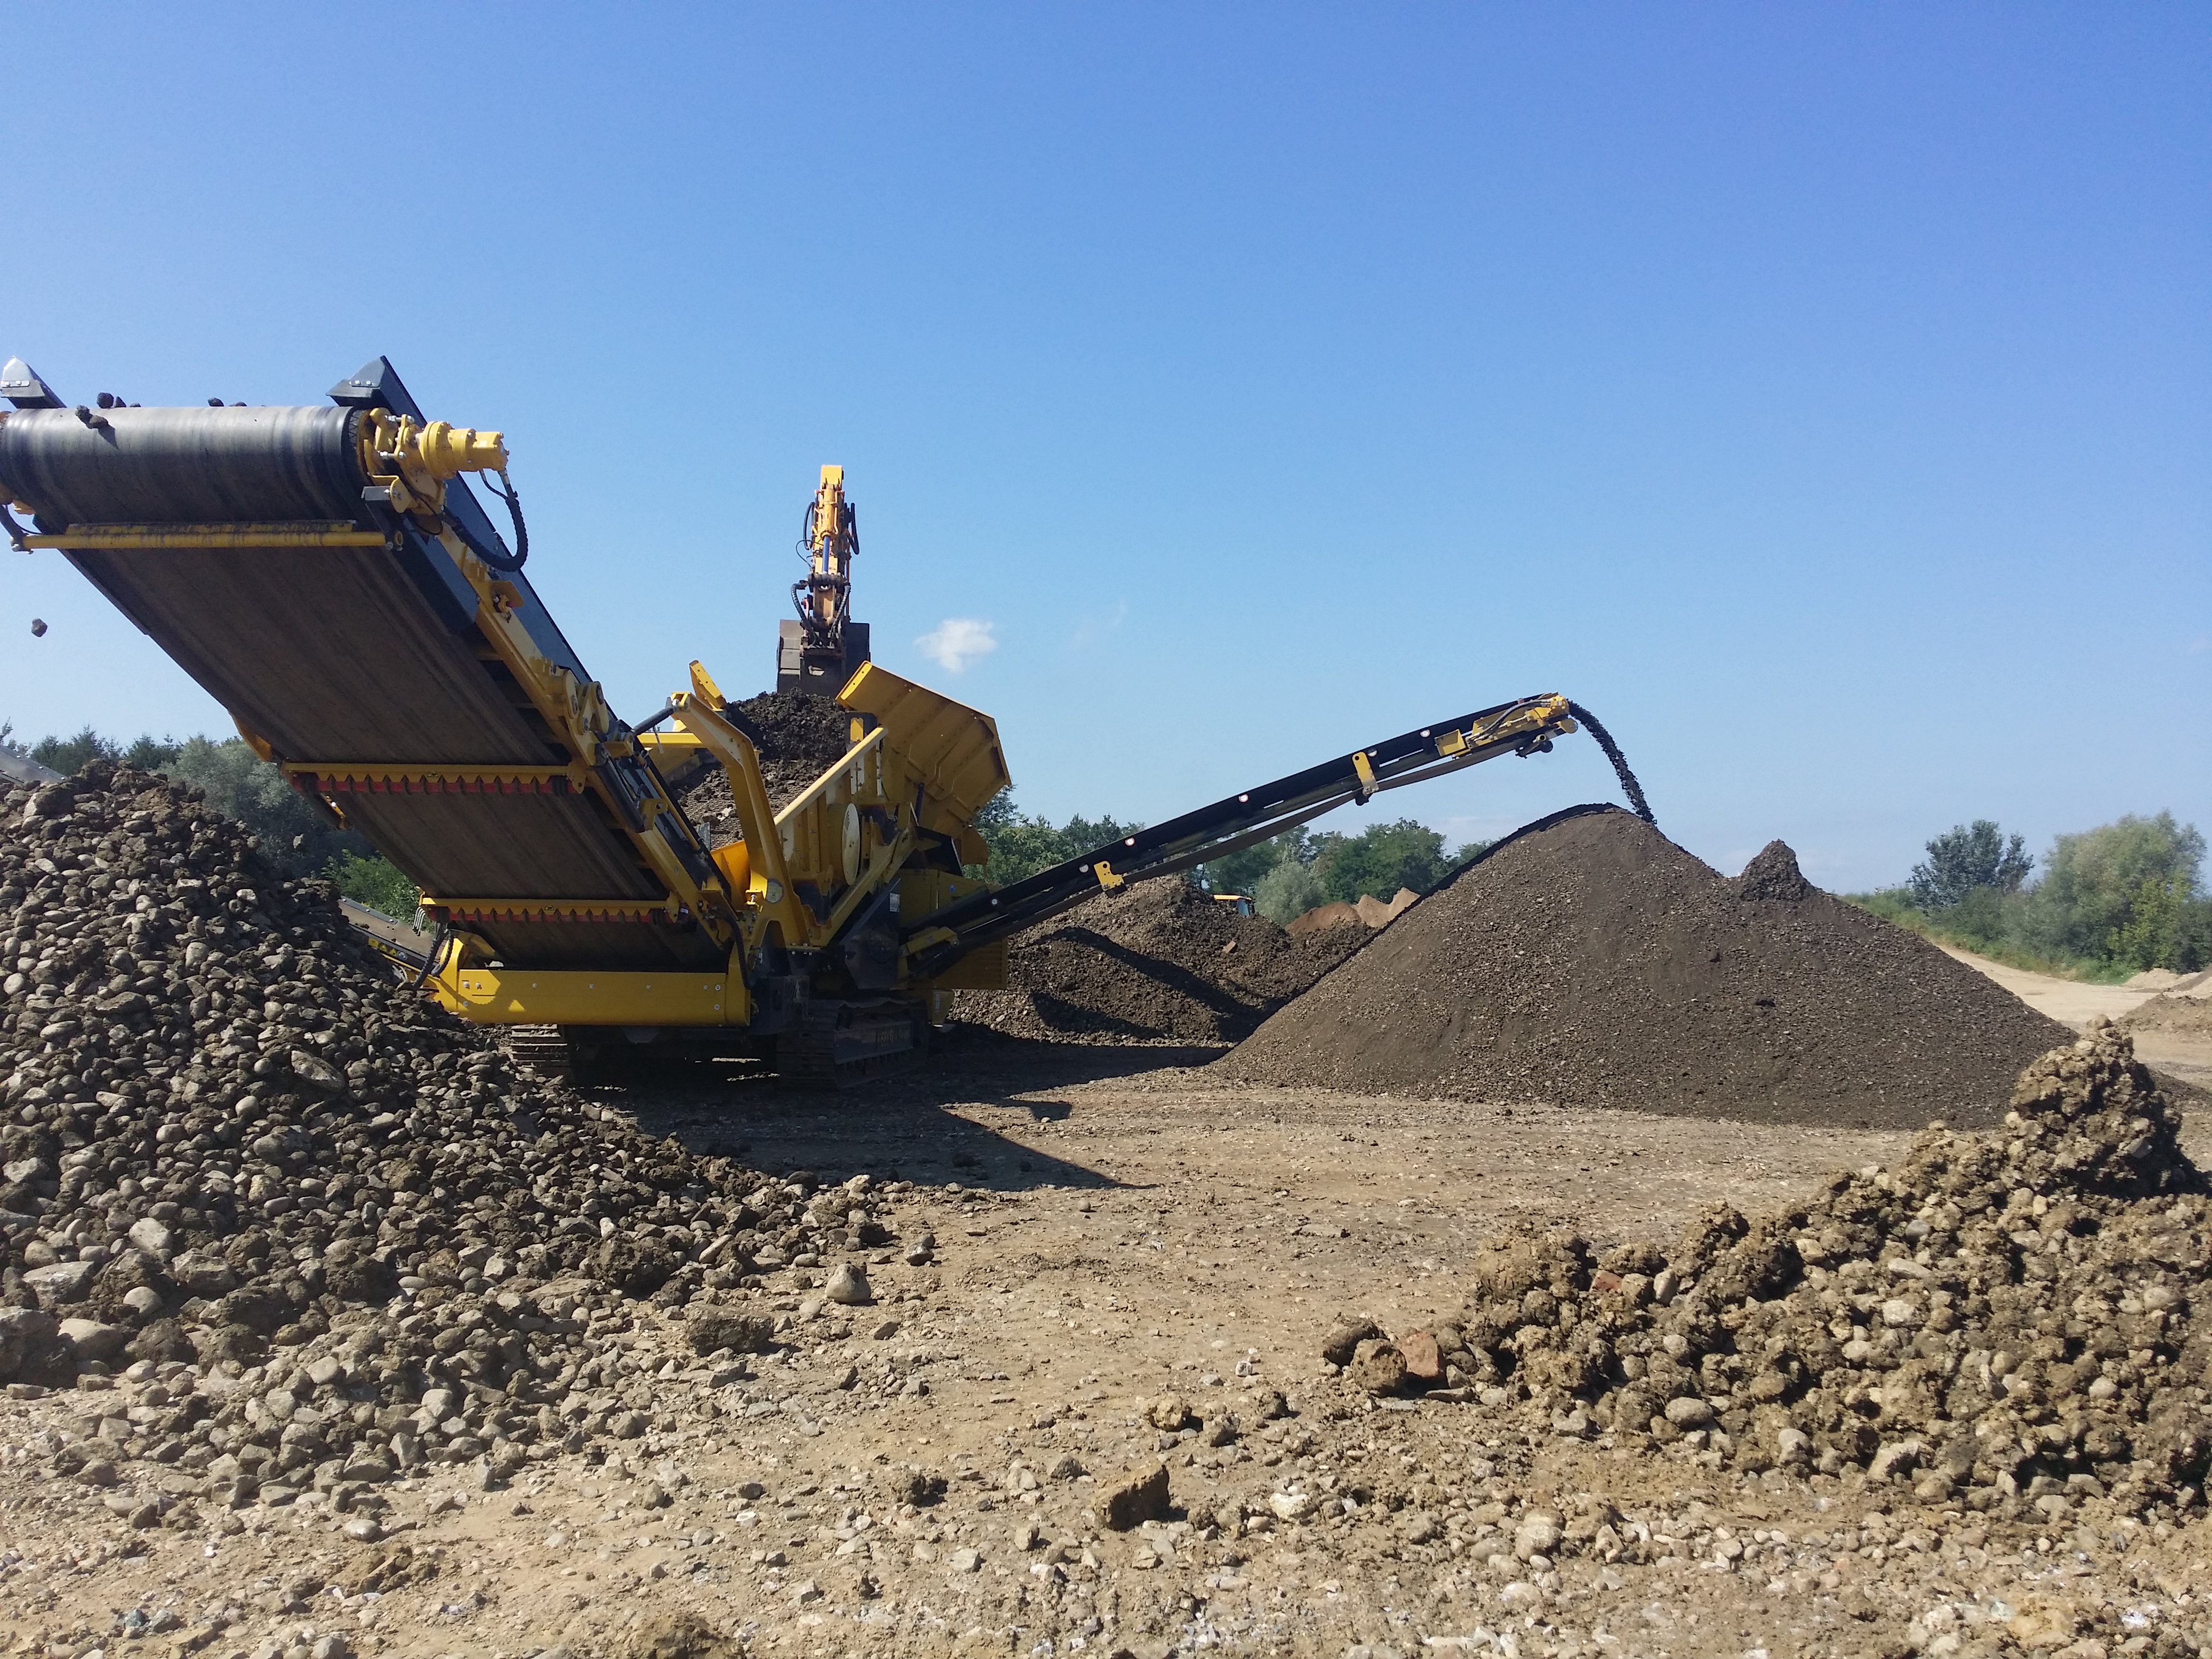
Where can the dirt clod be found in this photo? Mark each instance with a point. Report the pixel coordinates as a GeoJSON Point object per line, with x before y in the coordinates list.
{"type": "Point", "coordinates": [1138, 1496]}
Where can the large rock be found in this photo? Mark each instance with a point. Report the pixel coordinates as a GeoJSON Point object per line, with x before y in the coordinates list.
{"type": "Point", "coordinates": [711, 1329]}
{"type": "Point", "coordinates": [1378, 1366]}
{"type": "Point", "coordinates": [94, 1340]}
{"type": "Point", "coordinates": [1137, 1497]}
{"type": "Point", "coordinates": [63, 1283]}
{"type": "Point", "coordinates": [196, 1273]}
{"type": "Point", "coordinates": [153, 1237]}
{"type": "Point", "coordinates": [23, 1332]}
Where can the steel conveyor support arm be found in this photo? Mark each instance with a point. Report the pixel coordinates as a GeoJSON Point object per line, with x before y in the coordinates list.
{"type": "Point", "coordinates": [1525, 726]}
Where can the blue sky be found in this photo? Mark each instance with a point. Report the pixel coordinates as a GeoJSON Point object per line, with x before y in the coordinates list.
{"type": "Point", "coordinates": [1821, 394]}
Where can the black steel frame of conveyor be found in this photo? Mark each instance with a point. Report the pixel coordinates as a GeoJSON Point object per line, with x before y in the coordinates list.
{"type": "Point", "coordinates": [347, 659]}
{"type": "Point", "coordinates": [1227, 826]}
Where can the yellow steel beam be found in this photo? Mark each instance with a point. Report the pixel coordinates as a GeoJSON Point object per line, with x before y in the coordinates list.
{"type": "Point", "coordinates": [499, 996]}
{"type": "Point", "coordinates": [126, 537]}
{"type": "Point", "coordinates": [768, 895]}
{"type": "Point", "coordinates": [814, 791]}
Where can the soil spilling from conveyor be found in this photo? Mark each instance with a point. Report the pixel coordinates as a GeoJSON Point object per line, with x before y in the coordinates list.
{"type": "Point", "coordinates": [1590, 961]}
{"type": "Point", "coordinates": [2010, 1321]}
{"type": "Point", "coordinates": [798, 740]}
{"type": "Point", "coordinates": [1159, 963]}
{"type": "Point", "coordinates": [348, 1237]}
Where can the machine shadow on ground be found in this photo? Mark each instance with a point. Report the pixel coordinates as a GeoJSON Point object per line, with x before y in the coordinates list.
{"type": "Point", "coordinates": [897, 1127]}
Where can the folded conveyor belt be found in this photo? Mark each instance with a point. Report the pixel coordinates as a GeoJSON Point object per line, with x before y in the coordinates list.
{"type": "Point", "coordinates": [363, 667]}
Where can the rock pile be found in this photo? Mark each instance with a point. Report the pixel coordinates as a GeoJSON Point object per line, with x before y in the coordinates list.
{"type": "Point", "coordinates": [1159, 963]}
{"type": "Point", "coordinates": [2009, 1321]}
{"type": "Point", "coordinates": [1586, 960]}
{"type": "Point", "coordinates": [325, 1229]}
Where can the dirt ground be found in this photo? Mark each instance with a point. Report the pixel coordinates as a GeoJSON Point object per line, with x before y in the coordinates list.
{"type": "Point", "coordinates": [1121, 1246]}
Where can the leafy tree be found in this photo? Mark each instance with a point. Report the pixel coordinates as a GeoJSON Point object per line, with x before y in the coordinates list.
{"type": "Point", "coordinates": [151, 754]}
{"type": "Point", "coordinates": [1287, 891]}
{"type": "Point", "coordinates": [294, 837]}
{"type": "Point", "coordinates": [1242, 872]}
{"type": "Point", "coordinates": [70, 756]}
{"type": "Point", "coordinates": [2093, 884]}
{"type": "Point", "coordinates": [376, 883]}
{"type": "Point", "coordinates": [1967, 859]}
{"type": "Point", "coordinates": [1380, 860]}
{"type": "Point", "coordinates": [1021, 846]}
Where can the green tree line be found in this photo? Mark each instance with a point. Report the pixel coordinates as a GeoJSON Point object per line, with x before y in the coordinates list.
{"type": "Point", "coordinates": [2108, 902]}
{"type": "Point", "coordinates": [1285, 876]}
{"type": "Point", "coordinates": [297, 839]}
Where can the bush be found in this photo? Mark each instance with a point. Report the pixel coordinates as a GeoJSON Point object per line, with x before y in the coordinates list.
{"type": "Point", "coordinates": [376, 883]}
{"type": "Point", "coordinates": [1020, 846]}
{"type": "Point", "coordinates": [295, 837]}
{"type": "Point", "coordinates": [1287, 891]}
{"type": "Point", "coordinates": [2112, 901]}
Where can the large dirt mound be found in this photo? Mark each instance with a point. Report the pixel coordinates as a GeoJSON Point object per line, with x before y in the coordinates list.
{"type": "Point", "coordinates": [1590, 961]}
{"type": "Point", "coordinates": [2008, 1320]}
{"type": "Point", "coordinates": [797, 738]}
{"type": "Point", "coordinates": [1159, 963]}
{"type": "Point", "coordinates": [352, 1239]}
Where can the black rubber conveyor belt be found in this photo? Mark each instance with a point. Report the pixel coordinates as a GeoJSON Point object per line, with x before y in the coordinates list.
{"type": "Point", "coordinates": [340, 656]}
{"type": "Point", "coordinates": [183, 466]}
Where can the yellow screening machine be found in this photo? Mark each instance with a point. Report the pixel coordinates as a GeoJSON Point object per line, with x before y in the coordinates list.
{"type": "Point", "coordinates": [327, 573]}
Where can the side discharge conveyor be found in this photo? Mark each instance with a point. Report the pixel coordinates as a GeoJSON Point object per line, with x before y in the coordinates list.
{"type": "Point", "coordinates": [328, 574]}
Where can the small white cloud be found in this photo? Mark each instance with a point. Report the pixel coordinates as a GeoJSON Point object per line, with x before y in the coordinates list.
{"type": "Point", "coordinates": [959, 640]}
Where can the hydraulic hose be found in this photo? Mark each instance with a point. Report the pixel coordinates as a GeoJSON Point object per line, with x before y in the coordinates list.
{"type": "Point", "coordinates": [1629, 786]}
{"type": "Point", "coordinates": [494, 555]}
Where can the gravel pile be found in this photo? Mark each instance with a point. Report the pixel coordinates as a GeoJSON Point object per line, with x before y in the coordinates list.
{"type": "Point", "coordinates": [2006, 1321]}
{"type": "Point", "coordinates": [325, 1232]}
{"type": "Point", "coordinates": [1160, 962]}
{"type": "Point", "coordinates": [1590, 961]}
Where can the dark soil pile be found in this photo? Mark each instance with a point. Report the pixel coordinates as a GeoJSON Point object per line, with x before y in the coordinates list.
{"type": "Point", "coordinates": [798, 740]}
{"type": "Point", "coordinates": [2007, 1321]}
{"type": "Point", "coordinates": [1159, 962]}
{"type": "Point", "coordinates": [337, 1227]}
{"type": "Point", "coordinates": [1590, 961]}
